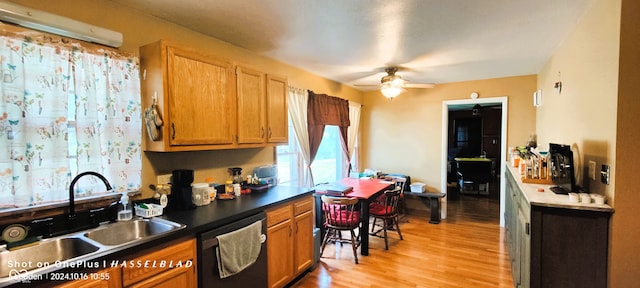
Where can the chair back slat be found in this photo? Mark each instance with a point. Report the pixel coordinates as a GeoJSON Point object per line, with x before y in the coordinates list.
{"type": "Point", "coordinates": [340, 212]}
{"type": "Point", "coordinates": [392, 197]}
{"type": "Point", "coordinates": [400, 182]}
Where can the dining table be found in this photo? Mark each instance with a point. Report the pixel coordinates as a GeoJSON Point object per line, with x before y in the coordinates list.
{"type": "Point", "coordinates": [365, 190]}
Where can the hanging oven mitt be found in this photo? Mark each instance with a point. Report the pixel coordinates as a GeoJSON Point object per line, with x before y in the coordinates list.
{"type": "Point", "coordinates": [153, 121]}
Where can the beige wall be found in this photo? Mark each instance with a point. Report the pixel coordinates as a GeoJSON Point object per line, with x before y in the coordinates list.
{"type": "Point", "coordinates": [598, 63]}
{"type": "Point", "coordinates": [404, 135]}
{"type": "Point", "coordinates": [584, 113]}
{"type": "Point", "coordinates": [139, 29]}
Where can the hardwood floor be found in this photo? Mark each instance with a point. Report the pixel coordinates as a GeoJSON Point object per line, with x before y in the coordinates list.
{"type": "Point", "coordinates": [465, 250]}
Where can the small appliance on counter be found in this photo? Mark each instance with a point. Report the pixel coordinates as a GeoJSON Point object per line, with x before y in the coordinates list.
{"type": "Point", "coordinates": [267, 174]}
{"type": "Point", "coordinates": [236, 174]}
{"type": "Point", "coordinates": [181, 193]}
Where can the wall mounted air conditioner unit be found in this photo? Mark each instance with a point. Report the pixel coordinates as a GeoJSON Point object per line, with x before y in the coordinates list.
{"type": "Point", "coordinates": [51, 23]}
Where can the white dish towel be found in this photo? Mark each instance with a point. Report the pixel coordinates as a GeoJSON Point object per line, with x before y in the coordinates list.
{"type": "Point", "coordinates": [239, 249]}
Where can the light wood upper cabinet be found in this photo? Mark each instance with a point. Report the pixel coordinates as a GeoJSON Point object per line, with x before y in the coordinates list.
{"type": "Point", "coordinates": [277, 113]}
{"type": "Point", "coordinates": [251, 105]}
{"type": "Point", "coordinates": [209, 103]}
{"type": "Point", "coordinates": [195, 95]}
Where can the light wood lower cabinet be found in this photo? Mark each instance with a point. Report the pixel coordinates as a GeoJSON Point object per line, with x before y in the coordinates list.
{"type": "Point", "coordinates": [105, 278]}
{"type": "Point", "coordinates": [170, 267]}
{"type": "Point", "coordinates": [163, 275]}
{"type": "Point", "coordinates": [290, 241]}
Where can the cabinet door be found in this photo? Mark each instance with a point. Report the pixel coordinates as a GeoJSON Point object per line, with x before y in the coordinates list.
{"type": "Point", "coordinates": [251, 105]}
{"type": "Point", "coordinates": [280, 253]}
{"type": "Point", "coordinates": [178, 253]}
{"type": "Point", "coordinates": [303, 241]}
{"type": "Point", "coordinates": [201, 99]}
{"type": "Point", "coordinates": [277, 113]}
{"type": "Point", "coordinates": [524, 250]}
{"type": "Point", "coordinates": [106, 278]}
{"type": "Point", "coordinates": [170, 279]}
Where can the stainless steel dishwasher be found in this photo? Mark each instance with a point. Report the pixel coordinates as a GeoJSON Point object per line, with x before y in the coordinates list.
{"type": "Point", "coordinates": [252, 276]}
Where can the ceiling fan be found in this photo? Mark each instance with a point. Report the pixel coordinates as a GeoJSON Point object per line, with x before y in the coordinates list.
{"type": "Point", "coordinates": [391, 85]}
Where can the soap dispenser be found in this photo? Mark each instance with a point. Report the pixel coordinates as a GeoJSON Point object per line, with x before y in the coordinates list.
{"type": "Point", "coordinates": [124, 209]}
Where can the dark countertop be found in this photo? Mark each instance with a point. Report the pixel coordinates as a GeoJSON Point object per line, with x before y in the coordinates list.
{"type": "Point", "coordinates": [200, 219]}
{"type": "Point", "coordinates": [222, 212]}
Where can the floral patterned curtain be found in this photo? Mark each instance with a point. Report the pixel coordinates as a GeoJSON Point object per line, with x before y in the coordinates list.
{"type": "Point", "coordinates": [44, 142]}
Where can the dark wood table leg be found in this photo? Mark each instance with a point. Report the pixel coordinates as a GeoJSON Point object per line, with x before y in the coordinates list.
{"type": "Point", "coordinates": [434, 204]}
{"type": "Point", "coordinates": [364, 229]}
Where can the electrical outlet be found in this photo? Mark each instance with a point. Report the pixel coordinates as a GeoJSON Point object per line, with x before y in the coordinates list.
{"type": "Point", "coordinates": [592, 170]}
{"type": "Point", "coordinates": [164, 179]}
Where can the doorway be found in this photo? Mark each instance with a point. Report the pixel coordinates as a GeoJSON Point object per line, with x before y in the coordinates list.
{"type": "Point", "coordinates": [453, 134]}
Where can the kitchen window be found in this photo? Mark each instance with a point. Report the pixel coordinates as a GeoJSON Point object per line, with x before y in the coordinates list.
{"type": "Point", "coordinates": [327, 165]}
{"type": "Point", "coordinates": [290, 162]}
{"type": "Point", "coordinates": [66, 107]}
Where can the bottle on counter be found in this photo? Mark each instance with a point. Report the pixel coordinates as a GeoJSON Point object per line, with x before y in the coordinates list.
{"type": "Point", "coordinates": [237, 189]}
{"type": "Point", "coordinates": [228, 187]}
{"type": "Point", "coordinates": [212, 188]}
{"type": "Point", "coordinates": [200, 194]}
{"type": "Point", "coordinates": [125, 212]}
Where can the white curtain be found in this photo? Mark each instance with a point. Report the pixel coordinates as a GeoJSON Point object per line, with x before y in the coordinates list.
{"type": "Point", "coordinates": [108, 120]}
{"type": "Point", "coordinates": [38, 131]}
{"type": "Point", "coordinates": [352, 132]}
{"type": "Point", "coordinates": [298, 101]}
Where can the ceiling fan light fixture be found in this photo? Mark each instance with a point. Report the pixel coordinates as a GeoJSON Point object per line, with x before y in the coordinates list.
{"type": "Point", "coordinates": [391, 91]}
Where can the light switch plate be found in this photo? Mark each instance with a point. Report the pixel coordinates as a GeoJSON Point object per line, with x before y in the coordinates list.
{"type": "Point", "coordinates": [592, 170]}
{"type": "Point", "coordinates": [604, 174]}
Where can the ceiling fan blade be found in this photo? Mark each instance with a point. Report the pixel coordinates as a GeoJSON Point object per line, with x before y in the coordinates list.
{"type": "Point", "coordinates": [419, 85]}
{"type": "Point", "coordinates": [367, 85]}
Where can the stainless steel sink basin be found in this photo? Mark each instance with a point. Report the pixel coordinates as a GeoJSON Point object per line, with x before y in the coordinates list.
{"type": "Point", "coordinates": [127, 231]}
{"type": "Point", "coordinates": [29, 261]}
{"type": "Point", "coordinates": [46, 251]}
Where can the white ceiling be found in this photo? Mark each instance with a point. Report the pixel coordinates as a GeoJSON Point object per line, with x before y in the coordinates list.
{"type": "Point", "coordinates": [351, 41]}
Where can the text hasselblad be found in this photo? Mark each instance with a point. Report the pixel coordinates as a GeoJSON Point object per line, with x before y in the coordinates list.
{"type": "Point", "coordinates": [102, 264]}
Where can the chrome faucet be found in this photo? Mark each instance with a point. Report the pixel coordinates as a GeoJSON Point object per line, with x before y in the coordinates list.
{"type": "Point", "coordinates": [72, 205]}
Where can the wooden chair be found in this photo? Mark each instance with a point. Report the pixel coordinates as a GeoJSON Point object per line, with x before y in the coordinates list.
{"type": "Point", "coordinates": [401, 183]}
{"type": "Point", "coordinates": [341, 214]}
{"type": "Point", "coordinates": [387, 211]}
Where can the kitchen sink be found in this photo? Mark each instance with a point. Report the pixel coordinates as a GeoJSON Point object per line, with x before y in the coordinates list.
{"type": "Point", "coordinates": [43, 253]}
{"type": "Point", "coordinates": [47, 255]}
{"type": "Point", "coordinates": [123, 232]}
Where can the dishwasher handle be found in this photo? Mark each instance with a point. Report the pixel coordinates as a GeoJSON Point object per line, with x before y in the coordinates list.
{"type": "Point", "coordinates": [213, 242]}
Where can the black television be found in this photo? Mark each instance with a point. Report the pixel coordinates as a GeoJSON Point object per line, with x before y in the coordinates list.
{"type": "Point", "coordinates": [562, 168]}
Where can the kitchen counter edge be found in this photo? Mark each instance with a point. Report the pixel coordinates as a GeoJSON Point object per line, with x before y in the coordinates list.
{"type": "Point", "coordinates": [549, 199]}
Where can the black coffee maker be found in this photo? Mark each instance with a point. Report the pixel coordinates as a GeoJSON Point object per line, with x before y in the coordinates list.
{"type": "Point", "coordinates": [181, 190]}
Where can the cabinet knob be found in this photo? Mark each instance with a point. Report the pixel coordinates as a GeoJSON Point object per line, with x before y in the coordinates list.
{"type": "Point", "coordinates": [262, 132]}
{"type": "Point", "coordinates": [270, 132]}
{"type": "Point", "coordinates": [173, 131]}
